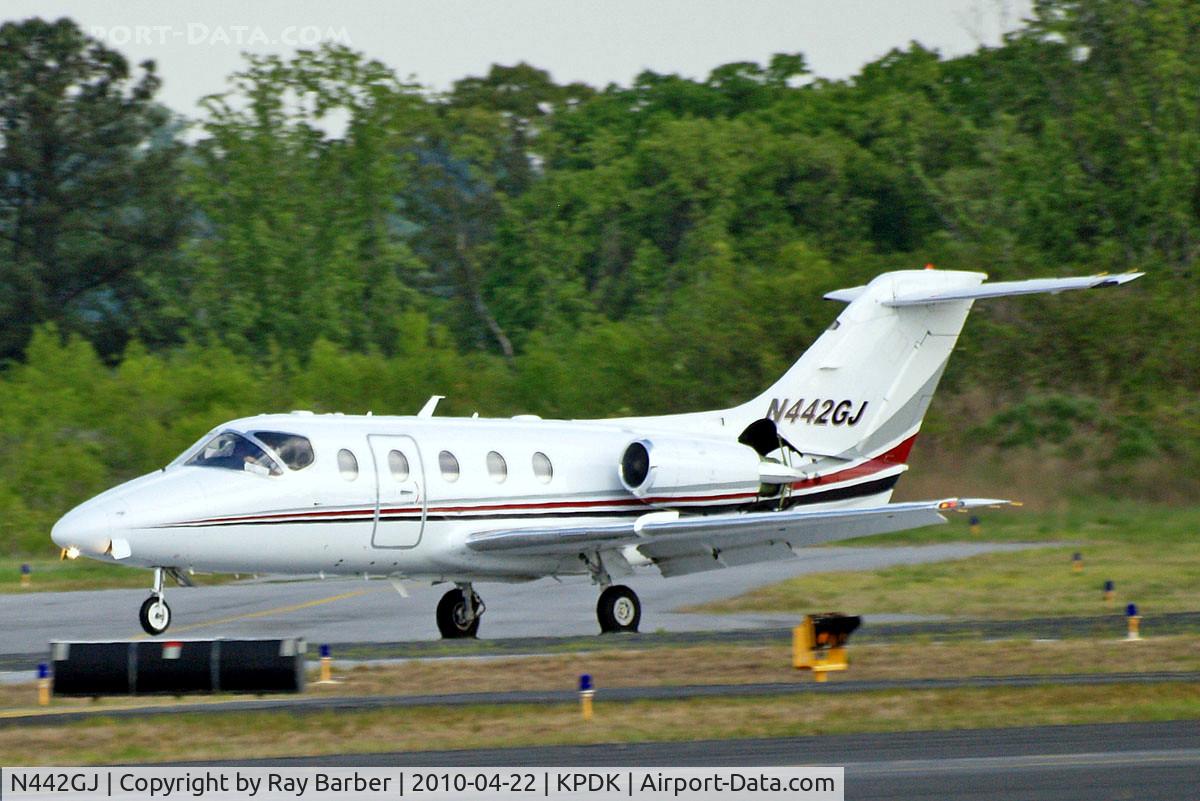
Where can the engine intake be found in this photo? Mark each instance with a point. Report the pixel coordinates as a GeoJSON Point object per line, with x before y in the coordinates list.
{"type": "Point", "coordinates": [635, 465]}
{"type": "Point", "coordinates": [679, 465]}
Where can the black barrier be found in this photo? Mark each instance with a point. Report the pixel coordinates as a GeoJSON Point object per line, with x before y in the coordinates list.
{"type": "Point", "coordinates": [833, 629]}
{"type": "Point", "coordinates": [178, 667]}
{"type": "Point", "coordinates": [172, 666]}
{"type": "Point", "coordinates": [101, 668]}
{"type": "Point", "coordinates": [257, 666]}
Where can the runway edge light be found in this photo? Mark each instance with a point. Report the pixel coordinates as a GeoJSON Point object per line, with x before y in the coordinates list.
{"type": "Point", "coordinates": [1135, 622]}
{"type": "Point", "coordinates": [586, 692]}
{"type": "Point", "coordinates": [326, 666]}
{"type": "Point", "coordinates": [43, 684]}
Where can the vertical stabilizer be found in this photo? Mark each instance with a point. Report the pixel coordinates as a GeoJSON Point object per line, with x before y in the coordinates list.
{"type": "Point", "coordinates": [863, 387]}
{"type": "Point", "coordinates": [868, 379]}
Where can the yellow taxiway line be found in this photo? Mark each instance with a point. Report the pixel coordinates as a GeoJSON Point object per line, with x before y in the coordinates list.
{"type": "Point", "coordinates": [282, 610]}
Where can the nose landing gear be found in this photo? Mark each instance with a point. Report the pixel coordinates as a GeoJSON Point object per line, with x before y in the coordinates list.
{"type": "Point", "coordinates": [155, 615]}
{"type": "Point", "coordinates": [458, 613]}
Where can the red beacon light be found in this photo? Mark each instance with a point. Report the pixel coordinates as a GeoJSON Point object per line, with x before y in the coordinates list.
{"type": "Point", "coordinates": [929, 266]}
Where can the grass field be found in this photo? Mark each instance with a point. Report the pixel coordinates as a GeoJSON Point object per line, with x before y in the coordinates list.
{"type": "Point", "coordinates": [746, 664]}
{"type": "Point", "coordinates": [243, 735]}
{"type": "Point", "coordinates": [52, 574]}
{"type": "Point", "coordinates": [1152, 554]}
{"type": "Point", "coordinates": [55, 575]}
{"type": "Point", "coordinates": [724, 664]}
{"type": "Point", "coordinates": [247, 735]}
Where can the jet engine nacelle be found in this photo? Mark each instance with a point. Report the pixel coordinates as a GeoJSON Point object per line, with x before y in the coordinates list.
{"type": "Point", "coordinates": [674, 465]}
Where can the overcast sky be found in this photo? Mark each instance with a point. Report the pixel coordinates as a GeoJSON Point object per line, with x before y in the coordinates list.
{"type": "Point", "coordinates": [198, 44]}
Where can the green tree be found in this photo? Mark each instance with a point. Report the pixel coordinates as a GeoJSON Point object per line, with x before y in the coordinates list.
{"type": "Point", "coordinates": [297, 182]}
{"type": "Point", "coordinates": [479, 153]}
{"type": "Point", "coordinates": [89, 209]}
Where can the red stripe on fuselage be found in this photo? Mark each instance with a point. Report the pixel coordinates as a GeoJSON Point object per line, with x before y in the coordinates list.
{"type": "Point", "coordinates": [896, 456]}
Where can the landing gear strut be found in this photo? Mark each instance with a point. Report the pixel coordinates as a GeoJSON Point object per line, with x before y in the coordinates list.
{"type": "Point", "coordinates": [618, 609]}
{"type": "Point", "coordinates": [458, 612]}
{"type": "Point", "coordinates": [155, 615]}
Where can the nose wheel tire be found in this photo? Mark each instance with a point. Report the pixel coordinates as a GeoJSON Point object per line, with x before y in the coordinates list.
{"type": "Point", "coordinates": [453, 619]}
{"type": "Point", "coordinates": [155, 615]}
{"type": "Point", "coordinates": [618, 609]}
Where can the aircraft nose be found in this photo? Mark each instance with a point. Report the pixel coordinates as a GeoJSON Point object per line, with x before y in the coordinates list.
{"type": "Point", "coordinates": [86, 527]}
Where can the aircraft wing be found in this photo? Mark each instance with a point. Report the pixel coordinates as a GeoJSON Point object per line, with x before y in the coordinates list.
{"type": "Point", "coordinates": [679, 545]}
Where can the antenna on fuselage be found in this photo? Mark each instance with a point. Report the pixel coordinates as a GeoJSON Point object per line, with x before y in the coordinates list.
{"type": "Point", "coordinates": [430, 405]}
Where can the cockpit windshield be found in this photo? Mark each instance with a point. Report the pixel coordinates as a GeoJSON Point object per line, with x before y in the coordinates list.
{"type": "Point", "coordinates": [232, 451]}
{"type": "Point", "coordinates": [295, 451]}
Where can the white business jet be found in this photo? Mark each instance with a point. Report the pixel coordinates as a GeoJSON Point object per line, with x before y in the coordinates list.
{"type": "Point", "coordinates": [463, 500]}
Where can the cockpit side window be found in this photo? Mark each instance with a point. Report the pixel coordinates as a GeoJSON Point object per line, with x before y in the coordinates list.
{"type": "Point", "coordinates": [295, 451]}
{"type": "Point", "coordinates": [232, 451]}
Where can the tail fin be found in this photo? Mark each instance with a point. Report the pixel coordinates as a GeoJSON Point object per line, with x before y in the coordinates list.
{"type": "Point", "coordinates": [865, 384]}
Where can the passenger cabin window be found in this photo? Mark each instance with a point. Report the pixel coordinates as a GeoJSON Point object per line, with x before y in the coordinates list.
{"type": "Point", "coordinates": [347, 465]}
{"type": "Point", "coordinates": [398, 464]}
{"type": "Point", "coordinates": [542, 467]}
{"type": "Point", "coordinates": [449, 466]}
{"type": "Point", "coordinates": [232, 451]}
{"type": "Point", "coordinates": [295, 451]}
{"type": "Point", "coordinates": [497, 467]}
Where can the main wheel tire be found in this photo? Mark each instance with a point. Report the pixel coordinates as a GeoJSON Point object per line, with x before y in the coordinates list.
{"type": "Point", "coordinates": [618, 609]}
{"type": "Point", "coordinates": [452, 615]}
{"type": "Point", "coordinates": [155, 615]}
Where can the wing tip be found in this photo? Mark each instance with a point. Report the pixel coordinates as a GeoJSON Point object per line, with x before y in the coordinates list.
{"type": "Point", "coordinates": [1118, 279]}
{"type": "Point", "coordinates": [963, 504]}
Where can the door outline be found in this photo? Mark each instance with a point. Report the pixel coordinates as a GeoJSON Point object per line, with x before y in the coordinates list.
{"type": "Point", "coordinates": [379, 446]}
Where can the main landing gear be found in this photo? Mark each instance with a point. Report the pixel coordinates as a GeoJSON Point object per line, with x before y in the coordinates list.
{"type": "Point", "coordinates": [155, 615]}
{"type": "Point", "coordinates": [618, 609]}
{"type": "Point", "coordinates": [459, 611]}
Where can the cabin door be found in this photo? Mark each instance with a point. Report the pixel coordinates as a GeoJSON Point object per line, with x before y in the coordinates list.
{"type": "Point", "coordinates": [400, 501]}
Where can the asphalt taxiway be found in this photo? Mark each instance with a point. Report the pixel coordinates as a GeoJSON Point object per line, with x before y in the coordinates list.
{"type": "Point", "coordinates": [348, 610]}
{"type": "Point", "coordinates": [1065, 763]}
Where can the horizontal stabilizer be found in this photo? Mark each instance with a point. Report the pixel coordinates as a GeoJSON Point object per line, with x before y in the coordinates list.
{"type": "Point", "coordinates": [845, 295]}
{"type": "Point", "coordinates": [1001, 289]}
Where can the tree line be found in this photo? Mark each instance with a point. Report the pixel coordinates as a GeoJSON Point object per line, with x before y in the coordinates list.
{"type": "Point", "coordinates": [326, 235]}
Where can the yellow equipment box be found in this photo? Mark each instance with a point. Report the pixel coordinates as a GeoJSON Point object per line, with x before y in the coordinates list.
{"type": "Point", "coordinates": [819, 643]}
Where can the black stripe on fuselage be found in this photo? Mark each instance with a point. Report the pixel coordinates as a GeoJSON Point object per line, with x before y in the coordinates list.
{"type": "Point", "coordinates": [845, 493]}
{"type": "Point", "coordinates": [836, 494]}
